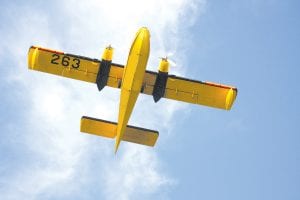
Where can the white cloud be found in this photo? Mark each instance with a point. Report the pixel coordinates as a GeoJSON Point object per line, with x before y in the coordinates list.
{"type": "Point", "coordinates": [135, 175]}
{"type": "Point", "coordinates": [55, 105]}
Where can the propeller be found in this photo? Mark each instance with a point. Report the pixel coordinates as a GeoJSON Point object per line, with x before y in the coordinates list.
{"type": "Point", "coordinates": [109, 46]}
{"type": "Point", "coordinates": [170, 61]}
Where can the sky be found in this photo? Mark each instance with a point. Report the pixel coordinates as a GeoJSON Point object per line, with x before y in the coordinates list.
{"type": "Point", "coordinates": [250, 152]}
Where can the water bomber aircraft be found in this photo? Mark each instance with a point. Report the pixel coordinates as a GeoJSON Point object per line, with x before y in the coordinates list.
{"type": "Point", "coordinates": [132, 79]}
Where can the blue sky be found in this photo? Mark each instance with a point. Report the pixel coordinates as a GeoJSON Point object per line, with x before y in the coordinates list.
{"type": "Point", "coordinates": [250, 152]}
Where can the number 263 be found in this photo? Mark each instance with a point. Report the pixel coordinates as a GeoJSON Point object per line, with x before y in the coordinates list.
{"type": "Point", "coordinates": [65, 61]}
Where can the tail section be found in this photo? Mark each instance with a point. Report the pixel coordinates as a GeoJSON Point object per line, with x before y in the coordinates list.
{"type": "Point", "coordinates": [98, 127]}
{"type": "Point", "coordinates": [109, 129]}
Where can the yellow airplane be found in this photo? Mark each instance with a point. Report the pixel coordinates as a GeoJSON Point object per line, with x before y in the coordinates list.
{"type": "Point", "coordinates": [132, 79]}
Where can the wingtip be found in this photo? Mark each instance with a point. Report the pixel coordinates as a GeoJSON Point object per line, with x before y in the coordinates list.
{"type": "Point", "coordinates": [230, 97]}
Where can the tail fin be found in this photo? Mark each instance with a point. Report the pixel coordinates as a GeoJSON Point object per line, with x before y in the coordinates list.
{"type": "Point", "coordinates": [109, 129]}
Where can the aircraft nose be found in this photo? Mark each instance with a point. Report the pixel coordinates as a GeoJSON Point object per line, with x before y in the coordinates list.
{"type": "Point", "coordinates": [144, 32]}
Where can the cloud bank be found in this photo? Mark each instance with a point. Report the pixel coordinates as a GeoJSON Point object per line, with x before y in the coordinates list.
{"type": "Point", "coordinates": [45, 155]}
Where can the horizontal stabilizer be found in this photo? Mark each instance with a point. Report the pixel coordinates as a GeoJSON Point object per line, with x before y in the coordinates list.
{"type": "Point", "coordinates": [109, 129]}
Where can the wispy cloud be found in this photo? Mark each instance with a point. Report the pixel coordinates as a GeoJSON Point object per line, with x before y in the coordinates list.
{"type": "Point", "coordinates": [136, 175]}
{"type": "Point", "coordinates": [60, 159]}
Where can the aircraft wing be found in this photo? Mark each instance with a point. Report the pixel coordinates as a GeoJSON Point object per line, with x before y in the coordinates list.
{"type": "Point", "coordinates": [86, 69]}
{"type": "Point", "coordinates": [71, 66]}
{"type": "Point", "coordinates": [192, 91]}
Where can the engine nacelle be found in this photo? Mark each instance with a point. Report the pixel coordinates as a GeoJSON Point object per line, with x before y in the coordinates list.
{"type": "Point", "coordinates": [161, 80]}
{"type": "Point", "coordinates": [108, 53]}
{"type": "Point", "coordinates": [104, 68]}
{"type": "Point", "coordinates": [164, 65]}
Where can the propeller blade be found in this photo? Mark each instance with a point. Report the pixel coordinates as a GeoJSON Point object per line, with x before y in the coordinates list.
{"type": "Point", "coordinates": [172, 63]}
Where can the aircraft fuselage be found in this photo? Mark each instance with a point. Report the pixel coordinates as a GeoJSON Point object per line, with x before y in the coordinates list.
{"type": "Point", "coordinates": [132, 79]}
